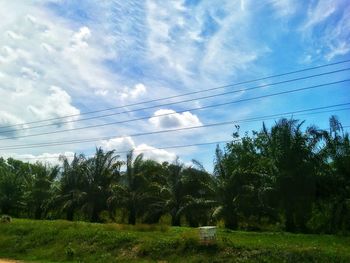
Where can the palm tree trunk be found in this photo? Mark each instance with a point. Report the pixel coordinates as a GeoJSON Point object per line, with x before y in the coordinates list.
{"type": "Point", "coordinates": [95, 212]}
{"type": "Point", "coordinates": [5, 209]}
{"type": "Point", "coordinates": [132, 216]}
{"type": "Point", "coordinates": [38, 212]}
{"type": "Point", "coordinates": [175, 220]}
{"type": "Point", "coordinates": [290, 222]}
{"type": "Point", "coordinates": [231, 222]}
{"type": "Point", "coordinates": [70, 214]}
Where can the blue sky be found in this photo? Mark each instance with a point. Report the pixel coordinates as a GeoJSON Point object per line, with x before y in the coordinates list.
{"type": "Point", "coordinates": [64, 57]}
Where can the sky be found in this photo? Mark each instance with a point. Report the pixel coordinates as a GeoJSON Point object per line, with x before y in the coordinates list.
{"type": "Point", "coordinates": [66, 57]}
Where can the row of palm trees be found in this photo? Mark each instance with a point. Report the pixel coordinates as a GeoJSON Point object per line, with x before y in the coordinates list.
{"type": "Point", "coordinates": [297, 178]}
{"type": "Point", "coordinates": [83, 188]}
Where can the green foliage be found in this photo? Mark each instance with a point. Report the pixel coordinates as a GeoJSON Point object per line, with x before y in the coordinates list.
{"type": "Point", "coordinates": [69, 251]}
{"type": "Point", "coordinates": [5, 219]}
{"type": "Point", "coordinates": [64, 241]}
{"type": "Point", "coordinates": [134, 189]}
{"type": "Point", "coordinates": [282, 178]}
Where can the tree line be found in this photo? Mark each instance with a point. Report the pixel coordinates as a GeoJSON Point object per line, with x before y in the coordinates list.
{"type": "Point", "coordinates": [287, 177]}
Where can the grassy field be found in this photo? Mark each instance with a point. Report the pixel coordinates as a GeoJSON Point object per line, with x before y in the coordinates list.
{"type": "Point", "coordinates": [62, 241]}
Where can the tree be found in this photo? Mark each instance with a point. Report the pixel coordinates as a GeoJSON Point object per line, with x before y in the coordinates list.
{"type": "Point", "coordinates": [71, 194]}
{"type": "Point", "coordinates": [225, 187]}
{"type": "Point", "coordinates": [176, 195]}
{"type": "Point", "coordinates": [11, 193]}
{"type": "Point", "coordinates": [337, 155]}
{"type": "Point", "coordinates": [14, 178]}
{"type": "Point", "coordinates": [103, 170]}
{"type": "Point", "coordinates": [133, 189]}
{"type": "Point", "coordinates": [40, 192]}
{"type": "Point", "coordinates": [294, 162]}
{"type": "Point", "coordinates": [198, 190]}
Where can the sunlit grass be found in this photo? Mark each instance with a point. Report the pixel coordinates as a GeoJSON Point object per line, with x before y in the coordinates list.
{"type": "Point", "coordinates": [62, 241]}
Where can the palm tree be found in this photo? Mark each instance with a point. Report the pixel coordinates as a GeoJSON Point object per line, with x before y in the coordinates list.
{"type": "Point", "coordinates": [337, 156]}
{"type": "Point", "coordinates": [241, 182]}
{"type": "Point", "coordinates": [11, 190]}
{"type": "Point", "coordinates": [103, 171]}
{"type": "Point", "coordinates": [294, 161]}
{"type": "Point", "coordinates": [225, 187]}
{"type": "Point", "coordinates": [183, 192]}
{"type": "Point", "coordinates": [133, 189]}
{"type": "Point", "coordinates": [73, 185]}
{"type": "Point", "coordinates": [198, 188]}
{"type": "Point", "coordinates": [14, 181]}
{"type": "Point", "coordinates": [40, 192]}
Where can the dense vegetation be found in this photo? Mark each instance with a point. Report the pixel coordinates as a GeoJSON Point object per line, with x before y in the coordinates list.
{"type": "Point", "coordinates": [63, 241]}
{"type": "Point", "coordinates": [285, 177]}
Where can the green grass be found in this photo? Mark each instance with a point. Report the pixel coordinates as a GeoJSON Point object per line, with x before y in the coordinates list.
{"type": "Point", "coordinates": [62, 241]}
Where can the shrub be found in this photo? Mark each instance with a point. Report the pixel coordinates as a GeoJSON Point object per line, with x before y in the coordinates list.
{"type": "Point", "coordinates": [70, 252]}
{"type": "Point", "coordinates": [139, 227]}
{"type": "Point", "coordinates": [6, 219]}
{"type": "Point", "coordinates": [105, 217]}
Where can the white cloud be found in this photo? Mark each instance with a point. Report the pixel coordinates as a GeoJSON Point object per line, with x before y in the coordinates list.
{"type": "Point", "coordinates": [137, 91]}
{"type": "Point", "coordinates": [153, 153]}
{"type": "Point", "coordinates": [57, 104]}
{"type": "Point", "coordinates": [194, 51]}
{"type": "Point", "coordinates": [127, 143]}
{"type": "Point", "coordinates": [174, 120]}
{"type": "Point", "coordinates": [79, 39]}
{"type": "Point", "coordinates": [284, 8]}
{"type": "Point", "coordinates": [101, 92]}
{"type": "Point", "coordinates": [320, 12]}
{"type": "Point", "coordinates": [167, 47]}
{"type": "Point", "coordinates": [7, 119]}
{"type": "Point", "coordinates": [29, 73]}
{"type": "Point", "coordinates": [14, 35]}
{"type": "Point", "coordinates": [342, 48]}
{"type": "Point", "coordinates": [242, 3]}
{"type": "Point", "coordinates": [47, 64]}
{"type": "Point", "coordinates": [119, 144]}
{"type": "Point", "coordinates": [51, 158]}
{"type": "Point", "coordinates": [328, 25]}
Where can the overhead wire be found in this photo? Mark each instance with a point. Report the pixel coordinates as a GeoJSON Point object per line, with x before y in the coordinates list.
{"type": "Point", "coordinates": [143, 150]}
{"type": "Point", "coordinates": [152, 148]}
{"type": "Point", "coordinates": [251, 119]}
{"type": "Point", "coordinates": [192, 109]}
{"type": "Point", "coordinates": [181, 95]}
{"type": "Point", "coordinates": [177, 102]}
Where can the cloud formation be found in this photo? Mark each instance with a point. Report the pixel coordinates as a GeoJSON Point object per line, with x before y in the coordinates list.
{"type": "Point", "coordinates": [50, 158]}
{"type": "Point", "coordinates": [136, 92]}
{"type": "Point", "coordinates": [327, 27]}
{"type": "Point", "coordinates": [7, 119]}
{"type": "Point", "coordinates": [55, 105]}
{"type": "Point", "coordinates": [60, 58]}
{"type": "Point", "coordinates": [127, 144]}
{"type": "Point", "coordinates": [175, 120]}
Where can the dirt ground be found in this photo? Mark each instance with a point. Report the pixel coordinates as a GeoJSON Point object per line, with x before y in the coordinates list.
{"type": "Point", "coordinates": [8, 261]}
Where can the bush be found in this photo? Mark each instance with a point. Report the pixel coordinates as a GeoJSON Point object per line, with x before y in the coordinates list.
{"type": "Point", "coordinates": [105, 217]}
{"type": "Point", "coordinates": [70, 252]}
{"type": "Point", "coordinates": [139, 227]}
{"type": "Point", "coordinates": [6, 219]}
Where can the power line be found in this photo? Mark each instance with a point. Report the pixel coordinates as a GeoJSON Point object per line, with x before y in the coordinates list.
{"type": "Point", "coordinates": [144, 150]}
{"type": "Point", "coordinates": [193, 109]}
{"type": "Point", "coordinates": [184, 94]}
{"type": "Point", "coordinates": [252, 119]}
{"type": "Point", "coordinates": [177, 102]}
